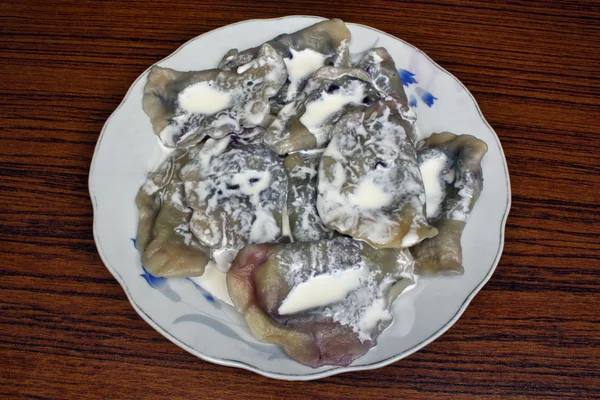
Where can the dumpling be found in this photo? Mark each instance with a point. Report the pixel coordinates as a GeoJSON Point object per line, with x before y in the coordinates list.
{"type": "Point", "coordinates": [304, 52]}
{"type": "Point", "coordinates": [164, 240]}
{"type": "Point", "coordinates": [370, 186]}
{"type": "Point", "coordinates": [306, 122]}
{"type": "Point", "coordinates": [351, 287]}
{"type": "Point", "coordinates": [305, 223]}
{"type": "Point", "coordinates": [451, 168]}
{"type": "Point", "coordinates": [237, 188]}
{"type": "Point", "coordinates": [148, 200]}
{"type": "Point", "coordinates": [380, 67]}
{"type": "Point", "coordinates": [184, 107]}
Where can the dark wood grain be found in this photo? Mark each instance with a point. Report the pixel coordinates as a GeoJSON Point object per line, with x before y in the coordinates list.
{"type": "Point", "coordinates": [66, 327]}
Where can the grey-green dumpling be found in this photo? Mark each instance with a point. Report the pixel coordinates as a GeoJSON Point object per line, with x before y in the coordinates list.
{"type": "Point", "coordinates": [305, 223]}
{"type": "Point", "coordinates": [185, 107]}
{"type": "Point", "coordinates": [370, 186]}
{"type": "Point", "coordinates": [305, 51]}
{"type": "Point", "coordinates": [306, 122]}
{"type": "Point", "coordinates": [380, 67]}
{"type": "Point", "coordinates": [164, 240]}
{"type": "Point", "coordinates": [237, 189]}
{"type": "Point", "coordinates": [451, 169]}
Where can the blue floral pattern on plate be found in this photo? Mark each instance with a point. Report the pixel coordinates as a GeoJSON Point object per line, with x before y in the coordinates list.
{"type": "Point", "coordinates": [408, 78]}
{"type": "Point", "coordinates": [161, 284]}
{"type": "Point", "coordinates": [158, 282]}
{"type": "Point", "coordinates": [204, 292]}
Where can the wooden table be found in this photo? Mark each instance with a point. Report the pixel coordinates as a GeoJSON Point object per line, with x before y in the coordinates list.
{"type": "Point", "coordinates": [66, 327]}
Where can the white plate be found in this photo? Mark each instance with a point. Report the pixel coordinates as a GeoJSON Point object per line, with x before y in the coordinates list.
{"type": "Point", "coordinates": [188, 316]}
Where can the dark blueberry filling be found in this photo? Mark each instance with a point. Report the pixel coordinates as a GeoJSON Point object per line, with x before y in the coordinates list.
{"type": "Point", "coordinates": [332, 88]}
{"type": "Point", "coordinates": [379, 164]}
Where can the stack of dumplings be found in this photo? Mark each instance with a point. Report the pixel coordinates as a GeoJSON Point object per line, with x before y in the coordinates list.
{"type": "Point", "coordinates": [299, 173]}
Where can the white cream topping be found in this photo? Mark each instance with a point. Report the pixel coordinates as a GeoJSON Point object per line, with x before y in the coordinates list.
{"type": "Point", "coordinates": [461, 210]}
{"type": "Point", "coordinates": [366, 307]}
{"type": "Point", "coordinates": [431, 171]}
{"type": "Point", "coordinates": [169, 134]}
{"type": "Point", "coordinates": [410, 239]}
{"type": "Point", "coordinates": [212, 148]}
{"type": "Point", "coordinates": [376, 312]}
{"type": "Point", "coordinates": [243, 68]}
{"type": "Point", "coordinates": [310, 152]}
{"type": "Point", "coordinates": [149, 187]}
{"type": "Point", "coordinates": [322, 290]}
{"type": "Point", "coordinates": [333, 278]}
{"type": "Point", "coordinates": [233, 208]}
{"type": "Point", "coordinates": [302, 64]}
{"type": "Point", "coordinates": [319, 111]}
{"type": "Point", "coordinates": [214, 281]}
{"type": "Point", "coordinates": [223, 257]}
{"type": "Point", "coordinates": [376, 59]}
{"type": "Point", "coordinates": [362, 199]}
{"type": "Point", "coordinates": [285, 224]}
{"type": "Point", "coordinates": [369, 195]}
{"type": "Point", "coordinates": [264, 228]}
{"type": "Point", "coordinates": [225, 104]}
{"type": "Point", "coordinates": [263, 178]}
{"type": "Point", "coordinates": [203, 98]}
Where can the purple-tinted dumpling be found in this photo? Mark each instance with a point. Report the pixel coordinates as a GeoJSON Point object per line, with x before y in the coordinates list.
{"type": "Point", "coordinates": [270, 285]}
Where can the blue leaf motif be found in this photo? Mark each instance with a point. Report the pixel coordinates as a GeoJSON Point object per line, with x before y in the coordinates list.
{"type": "Point", "coordinates": [427, 97]}
{"type": "Point", "coordinates": [412, 101]}
{"type": "Point", "coordinates": [407, 77]}
{"type": "Point", "coordinates": [206, 294]}
{"type": "Point", "coordinates": [158, 283]}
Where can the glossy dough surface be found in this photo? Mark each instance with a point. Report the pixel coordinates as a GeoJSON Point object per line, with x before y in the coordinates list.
{"type": "Point", "coordinates": [380, 67]}
{"type": "Point", "coordinates": [306, 122]}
